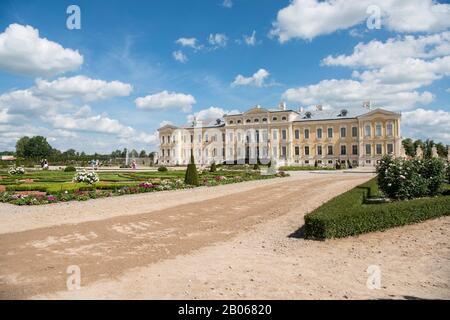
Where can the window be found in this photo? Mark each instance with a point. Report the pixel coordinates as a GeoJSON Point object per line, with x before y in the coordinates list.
{"type": "Point", "coordinates": [162, 139]}
{"type": "Point", "coordinates": [297, 150]}
{"type": "Point", "coordinates": [231, 122]}
{"type": "Point", "coordinates": [367, 130]}
{"type": "Point", "coordinates": [230, 137]}
{"type": "Point", "coordinates": [343, 150]}
{"type": "Point", "coordinates": [354, 132]}
{"type": "Point", "coordinates": [354, 149]}
{"type": "Point", "coordinates": [275, 135]}
{"type": "Point", "coordinates": [206, 137]}
{"type": "Point", "coordinates": [389, 130]}
{"type": "Point", "coordinates": [248, 120]}
{"type": "Point", "coordinates": [264, 120]}
{"type": "Point", "coordinates": [379, 149]}
{"type": "Point", "coordinates": [283, 134]}
{"type": "Point", "coordinates": [319, 150]}
{"type": "Point", "coordinates": [330, 132]}
{"type": "Point", "coordinates": [343, 132]}
{"type": "Point", "coordinates": [378, 130]}
{"type": "Point", "coordinates": [284, 118]}
{"type": "Point", "coordinates": [319, 133]}
{"type": "Point", "coordinates": [256, 120]}
{"type": "Point", "coordinates": [274, 119]}
{"type": "Point", "coordinates": [239, 138]}
{"type": "Point", "coordinates": [283, 152]}
{"type": "Point", "coordinates": [306, 133]}
{"type": "Point", "coordinates": [297, 134]}
{"type": "Point", "coordinates": [368, 149]}
{"type": "Point", "coordinates": [330, 150]}
{"type": "Point", "coordinates": [239, 121]}
{"type": "Point", "coordinates": [390, 148]}
{"type": "Point", "coordinates": [163, 152]}
{"type": "Point", "coordinates": [306, 150]}
{"type": "Point", "coordinates": [199, 138]}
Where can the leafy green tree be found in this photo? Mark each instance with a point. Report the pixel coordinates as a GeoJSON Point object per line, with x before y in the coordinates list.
{"type": "Point", "coordinates": [408, 145]}
{"type": "Point", "coordinates": [38, 147]}
{"type": "Point", "coordinates": [21, 146]}
{"type": "Point", "coordinates": [428, 148]}
{"type": "Point", "coordinates": [142, 154]}
{"type": "Point", "coordinates": [191, 176]}
{"type": "Point", "coordinates": [442, 150]}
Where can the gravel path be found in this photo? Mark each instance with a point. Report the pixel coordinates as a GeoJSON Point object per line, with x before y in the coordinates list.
{"type": "Point", "coordinates": [234, 241]}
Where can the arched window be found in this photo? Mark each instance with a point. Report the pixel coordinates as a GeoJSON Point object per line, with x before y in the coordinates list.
{"type": "Point", "coordinates": [248, 120]}
{"type": "Point", "coordinates": [264, 120]}
{"type": "Point", "coordinates": [274, 119]}
{"type": "Point", "coordinates": [256, 120]}
{"type": "Point", "coordinates": [284, 118]}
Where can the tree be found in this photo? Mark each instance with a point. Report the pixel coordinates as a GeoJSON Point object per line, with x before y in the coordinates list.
{"type": "Point", "coordinates": [408, 145]}
{"type": "Point", "coordinates": [428, 149]}
{"type": "Point", "coordinates": [143, 154]}
{"type": "Point", "coordinates": [213, 167]}
{"type": "Point", "coordinates": [21, 146]}
{"type": "Point", "coordinates": [442, 150]}
{"type": "Point", "coordinates": [191, 176]}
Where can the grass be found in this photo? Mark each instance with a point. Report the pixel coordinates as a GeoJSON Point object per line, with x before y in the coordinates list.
{"type": "Point", "coordinates": [348, 215]}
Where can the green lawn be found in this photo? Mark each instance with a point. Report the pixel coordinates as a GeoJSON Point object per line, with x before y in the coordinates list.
{"type": "Point", "coordinates": [348, 215]}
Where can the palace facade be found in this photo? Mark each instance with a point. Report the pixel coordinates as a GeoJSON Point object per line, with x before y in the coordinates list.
{"type": "Point", "coordinates": [319, 137]}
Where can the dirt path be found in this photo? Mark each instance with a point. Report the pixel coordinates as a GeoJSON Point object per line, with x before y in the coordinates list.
{"type": "Point", "coordinates": [229, 246]}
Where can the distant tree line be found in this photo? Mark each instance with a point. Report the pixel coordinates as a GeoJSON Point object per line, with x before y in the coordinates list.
{"type": "Point", "coordinates": [37, 148]}
{"type": "Point", "coordinates": [411, 146]}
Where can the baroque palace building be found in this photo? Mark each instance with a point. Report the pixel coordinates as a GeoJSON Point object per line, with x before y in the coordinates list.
{"type": "Point", "coordinates": [319, 137]}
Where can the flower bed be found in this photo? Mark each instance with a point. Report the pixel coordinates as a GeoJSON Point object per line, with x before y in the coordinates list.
{"type": "Point", "coordinates": [16, 171]}
{"type": "Point", "coordinates": [82, 191]}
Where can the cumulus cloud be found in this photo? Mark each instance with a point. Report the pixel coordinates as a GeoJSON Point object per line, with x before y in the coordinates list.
{"type": "Point", "coordinates": [307, 19]}
{"type": "Point", "coordinates": [392, 79]}
{"type": "Point", "coordinates": [209, 114]}
{"type": "Point", "coordinates": [164, 100]}
{"type": "Point", "coordinates": [82, 87]}
{"type": "Point", "coordinates": [422, 123]}
{"type": "Point", "coordinates": [24, 52]}
{"type": "Point", "coordinates": [189, 42]}
{"type": "Point", "coordinates": [257, 79]}
{"type": "Point", "coordinates": [218, 40]}
{"type": "Point", "coordinates": [180, 56]}
{"type": "Point", "coordinates": [351, 93]}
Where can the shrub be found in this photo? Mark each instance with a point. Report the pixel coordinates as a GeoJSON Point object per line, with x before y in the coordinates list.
{"type": "Point", "coordinates": [256, 167]}
{"type": "Point", "coordinates": [70, 169]}
{"type": "Point", "coordinates": [191, 177]}
{"type": "Point", "coordinates": [87, 177]}
{"type": "Point", "coordinates": [347, 215]}
{"type": "Point", "coordinates": [16, 171]}
{"type": "Point", "coordinates": [213, 167]}
{"type": "Point", "coordinates": [448, 172]}
{"type": "Point", "coordinates": [162, 169]}
{"type": "Point", "coordinates": [407, 179]}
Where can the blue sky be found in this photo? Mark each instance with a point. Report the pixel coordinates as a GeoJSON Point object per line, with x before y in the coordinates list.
{"type": "Point", "coordinates": [130, 47]}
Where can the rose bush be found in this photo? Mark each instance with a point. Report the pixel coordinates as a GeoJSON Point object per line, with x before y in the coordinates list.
{"type": "Point", "coordinates": [406, 179]}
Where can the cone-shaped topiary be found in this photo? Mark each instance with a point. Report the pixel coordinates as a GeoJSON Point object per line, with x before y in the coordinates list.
{"type": "Point", "coordinates": [213, 167]}
{"type": "Point", "coordinates": [191, 176]}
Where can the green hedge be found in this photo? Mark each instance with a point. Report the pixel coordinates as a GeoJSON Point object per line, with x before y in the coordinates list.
{"type": "Point", "coordinates": [347, 215]}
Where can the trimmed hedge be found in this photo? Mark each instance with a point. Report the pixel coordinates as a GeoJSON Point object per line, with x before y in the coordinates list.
{"type": "Point", "coordinates": [304, 168]}
{"type": "Point", "coordinates": [70, 169]}
{"type": "Point", "coordinates": [347, 215]}
{"type": "Point", "coordinates": [191, 177]}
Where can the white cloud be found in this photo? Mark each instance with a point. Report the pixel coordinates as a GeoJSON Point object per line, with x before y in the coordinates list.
{"type": "Point", "coordinates": [218, 40]}
{"type": "Point", "coordinates": [81, 87]}
{"type": "Point", "coordinates": [423, 124]}
{"type": "Point", "coordinates": [394, 50]}
{"type": "Point", "coordinates": [250, 40]}
{"type": "Point", "coordinates": [164, 123]}
{"type": "Point", "coordinates": [23, 52]}
{"type": "Point", "coordinates": [164, 100]}
{"type": "Point", "coordinates": [209, 114]}
{"type": "Point", "coordinates": [189, 42]}
{"type": "Point", "coordinates": [307, 19]}
{"type": "Point", "coordinates": [351, 93]}
{"type": "Point", "coordinates": [227, 3]}
{"type": "Point", "coordinates": [257, 79]}
{"type": "Point", "coordinates": [180, 56]}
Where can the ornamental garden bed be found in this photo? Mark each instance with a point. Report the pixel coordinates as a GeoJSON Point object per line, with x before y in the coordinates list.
{"type": "Point", "coordinates": [45, 187]}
